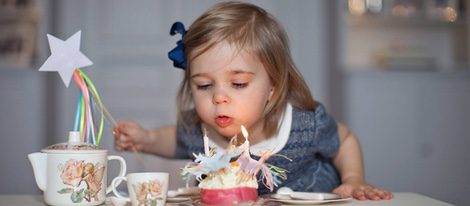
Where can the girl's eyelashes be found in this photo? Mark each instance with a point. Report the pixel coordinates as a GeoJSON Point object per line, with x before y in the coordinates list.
{"type": "Point", "coordinates": [203, 86]}
{"type": "Point", "coordinates": [239, 85]}
{"type": "Point", "coordinates": [207, 86]}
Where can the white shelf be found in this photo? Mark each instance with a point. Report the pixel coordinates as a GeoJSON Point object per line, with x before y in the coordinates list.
{"type": "Point", "coordinates": [382, 21]}
{"type": "Point", "coordinates": [461, 73]}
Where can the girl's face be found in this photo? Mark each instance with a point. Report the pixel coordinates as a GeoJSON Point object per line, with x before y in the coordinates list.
{"type": "Point", "coordinates": [230, 88]}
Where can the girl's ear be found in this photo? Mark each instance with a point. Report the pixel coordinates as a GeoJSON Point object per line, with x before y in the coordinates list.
{"type": "Point", "coordinates": [271, 93]}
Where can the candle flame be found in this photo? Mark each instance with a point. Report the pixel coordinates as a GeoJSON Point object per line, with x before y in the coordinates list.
{"type": "Point", "coordinates": [244, 132]}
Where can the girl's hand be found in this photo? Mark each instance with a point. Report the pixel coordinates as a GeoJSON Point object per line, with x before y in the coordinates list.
{"type": "Point", "coordinates": [362, 191]}
{"type": "Point", "coordinates": [130, 136]}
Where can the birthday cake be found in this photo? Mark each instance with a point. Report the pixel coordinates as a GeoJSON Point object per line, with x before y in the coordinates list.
{"type": "Point", "coordinates": [229, 183]}
{"type": "Point", "coordinates": [229, 186]}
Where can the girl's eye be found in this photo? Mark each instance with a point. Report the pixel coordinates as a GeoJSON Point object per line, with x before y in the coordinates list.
{"type": "Point", "coordinates": [204, 86]}
{"type": "Point", "coordinates": [239, 85]}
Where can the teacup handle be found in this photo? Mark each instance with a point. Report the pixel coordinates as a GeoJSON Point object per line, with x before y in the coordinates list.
{"type": "Point", "coordinates": [122, 170]}
{"type": "Point", "coordinates": [116, 181]}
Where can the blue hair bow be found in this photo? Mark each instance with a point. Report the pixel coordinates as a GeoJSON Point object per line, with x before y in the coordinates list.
{"type": "Point", "coordinates": [177, 54]}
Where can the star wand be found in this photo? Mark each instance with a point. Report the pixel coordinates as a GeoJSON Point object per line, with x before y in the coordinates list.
{"type": "Point", "coordinates": [98, 104]}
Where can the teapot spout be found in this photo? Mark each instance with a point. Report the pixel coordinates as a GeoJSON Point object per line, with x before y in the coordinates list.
{"type": "Point", "coordinates": [38, 161]}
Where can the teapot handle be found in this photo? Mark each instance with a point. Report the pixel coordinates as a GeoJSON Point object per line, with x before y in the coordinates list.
{"type": "Point", "coordinates": [114, 186]}
{"type": "Point", "coordinates": [122, 170]}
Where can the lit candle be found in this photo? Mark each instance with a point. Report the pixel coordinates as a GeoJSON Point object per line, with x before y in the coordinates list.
{"type": "Point", "coordinates": [206, 143]}
{"type": "Point", "coordinates": [244, 132]}
{"type": "Point", "coordinates": [245, 147]}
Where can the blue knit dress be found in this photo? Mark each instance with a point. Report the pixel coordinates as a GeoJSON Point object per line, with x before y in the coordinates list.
{"type": "Point", "coordinates": [313, 141]}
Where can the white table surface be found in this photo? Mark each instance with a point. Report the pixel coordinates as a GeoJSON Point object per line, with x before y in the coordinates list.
{"type": "Point", "coordinates": [402, 199]}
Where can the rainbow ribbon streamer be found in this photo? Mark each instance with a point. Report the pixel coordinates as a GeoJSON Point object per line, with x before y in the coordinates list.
{"type": "Point", "coordinates": [88, 97]}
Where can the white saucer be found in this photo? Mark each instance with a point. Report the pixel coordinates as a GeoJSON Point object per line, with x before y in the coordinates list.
{"type": "Point", "coordinates": [287, 200]}
{"type": "Point", "coordinates": [120, 202]}
{"type": "Point", "coordinates": [177, 199]}
{"type": "Point", "coordinates": [112, 200]}
{"type": "Point", "coordinates": [183, 191]}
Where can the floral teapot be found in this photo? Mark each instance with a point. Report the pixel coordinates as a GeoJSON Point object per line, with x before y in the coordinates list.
{"type": "Point", "coordinates": [72, 173]}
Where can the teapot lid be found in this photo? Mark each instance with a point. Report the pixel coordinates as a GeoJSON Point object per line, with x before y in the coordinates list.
{"type": "Point", "coordinates": [74, 145]}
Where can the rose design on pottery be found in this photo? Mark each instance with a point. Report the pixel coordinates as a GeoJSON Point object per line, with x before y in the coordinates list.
{"type": "Point", "coordinates": [74, 173]}
{"type": "Point", "coordinates": [148, 193]}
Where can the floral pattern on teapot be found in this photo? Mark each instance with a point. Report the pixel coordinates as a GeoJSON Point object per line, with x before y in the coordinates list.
{"type": "Point", "coordinates": [148, 193]}
{"type": "Point", "coordinates": [76, 172]}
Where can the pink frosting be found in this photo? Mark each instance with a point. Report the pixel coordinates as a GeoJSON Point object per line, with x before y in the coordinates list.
{"type": "Point", "coordinates": [231, 196]}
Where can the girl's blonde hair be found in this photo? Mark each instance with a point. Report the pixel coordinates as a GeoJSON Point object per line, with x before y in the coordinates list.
{"type": "Point", "coordinates": [251, 28]}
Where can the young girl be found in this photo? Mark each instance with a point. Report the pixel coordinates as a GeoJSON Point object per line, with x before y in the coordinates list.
{"type": "Point", "coordinates": [239, 71]}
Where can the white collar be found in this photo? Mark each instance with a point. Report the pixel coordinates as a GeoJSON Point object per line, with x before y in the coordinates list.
{"type": "Point", "coordinates": [275, 142]}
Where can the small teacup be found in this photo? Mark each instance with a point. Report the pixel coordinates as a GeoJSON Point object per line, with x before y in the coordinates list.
{"type": "Point", "coordinates": [149, 188]}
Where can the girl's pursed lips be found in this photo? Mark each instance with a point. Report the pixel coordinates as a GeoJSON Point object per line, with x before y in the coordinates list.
{"type": "Point", "coordinates": [223, 121]}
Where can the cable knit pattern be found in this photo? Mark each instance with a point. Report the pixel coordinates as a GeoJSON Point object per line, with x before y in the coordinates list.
{"type": "Point", "coordinates": [313, 141]}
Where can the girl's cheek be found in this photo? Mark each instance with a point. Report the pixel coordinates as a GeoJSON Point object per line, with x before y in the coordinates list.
{"type": "Point", "coordinates": [202, 98]}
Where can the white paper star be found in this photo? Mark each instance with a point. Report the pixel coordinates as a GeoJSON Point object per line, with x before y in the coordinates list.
{"type": "Point", "coordinates": [65, 57]}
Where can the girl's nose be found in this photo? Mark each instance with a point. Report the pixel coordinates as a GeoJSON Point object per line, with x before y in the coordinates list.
{"type": "Point", "coordinates": [220, 98]}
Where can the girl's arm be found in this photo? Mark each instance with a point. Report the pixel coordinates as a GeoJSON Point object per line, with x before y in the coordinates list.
{"type": "Point", "coordinates": [348, 160]}
{"type": "Point", "coordinates": [163, 142]}
{"type": "Point", "coordinates": [130, 136]}
{"type": "Point", "coordinates": [350, 165]}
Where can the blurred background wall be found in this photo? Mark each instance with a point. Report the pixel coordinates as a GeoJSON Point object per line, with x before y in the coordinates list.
{"type": "Point", "coordinates": [397, 72]}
